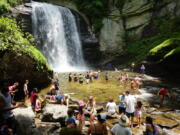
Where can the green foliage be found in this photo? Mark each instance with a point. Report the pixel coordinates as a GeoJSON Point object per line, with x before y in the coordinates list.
{"type": "Point", "coordinates": [14, 2]}
{"type": "Point", "coordinates": [166, 25]}
{"type": "Point", "coordinates": [96, 10]}
{"type": "Point", "coordinates": [166, 29]}
{"type": "Point", "coordinates": [138, 50]}
{"type": "Point", "coordinates": [173, 52]}
{"type": "Point", "coordinates": [12, 39]}
{"type": "Point", "coordinates": [165, 49]}
{"type": "Point", "coordinates": [5, 5]}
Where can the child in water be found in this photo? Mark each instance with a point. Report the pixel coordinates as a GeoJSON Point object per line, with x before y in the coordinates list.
{"type": "Point", "coordinates": [139, 112]}
{"type": "Point", "coordinates": [106, 77]}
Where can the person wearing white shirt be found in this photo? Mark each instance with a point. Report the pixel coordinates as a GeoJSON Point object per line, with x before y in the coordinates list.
{"type": "Point", "coordinates": [111, 107]}
{"type": "Point", "coordinates": [130, 106]}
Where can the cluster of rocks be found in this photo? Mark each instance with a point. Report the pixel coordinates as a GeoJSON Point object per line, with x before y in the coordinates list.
{"type": "Point", "coordinates": [53, 118]}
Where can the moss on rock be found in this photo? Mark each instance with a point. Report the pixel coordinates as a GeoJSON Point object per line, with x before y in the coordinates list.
{"type": "Point", "coordinates": [19, 59]}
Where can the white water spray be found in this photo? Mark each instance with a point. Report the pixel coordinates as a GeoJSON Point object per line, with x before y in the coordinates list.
{"type": "Point", "coordinates": [55, 27]}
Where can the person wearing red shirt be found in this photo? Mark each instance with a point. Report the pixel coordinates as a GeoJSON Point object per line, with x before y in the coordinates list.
{"type": "Point", "coordinates": [12, 89]}
{"type": "Point", "coordinates": [33, 98]}
{"type": "Point", "coordinates": [162, 93]}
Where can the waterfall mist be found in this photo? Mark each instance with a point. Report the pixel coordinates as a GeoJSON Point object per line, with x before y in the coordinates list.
{"type": "Point", "coordinates": [55, 27]}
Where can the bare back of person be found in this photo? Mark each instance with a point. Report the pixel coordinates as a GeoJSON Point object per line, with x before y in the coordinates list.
{"type": "Point", "coordinates": [98, 129]}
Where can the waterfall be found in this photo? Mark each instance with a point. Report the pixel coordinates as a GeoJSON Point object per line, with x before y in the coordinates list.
{"type": "Point", "coordinates": [55, 27]}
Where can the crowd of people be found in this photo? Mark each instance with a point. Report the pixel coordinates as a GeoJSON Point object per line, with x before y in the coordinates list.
{"type": "Point", "coordinates": [126, 109]}
{"type": "Point", "coordinates": [87, 78]}
{"type": "Point", "coordinates": [8, 123]}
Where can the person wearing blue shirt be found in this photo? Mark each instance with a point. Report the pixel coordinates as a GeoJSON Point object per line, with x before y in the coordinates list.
{"type": "Point", "coordinates": [122, 105]}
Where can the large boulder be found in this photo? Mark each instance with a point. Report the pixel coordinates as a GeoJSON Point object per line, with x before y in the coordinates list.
{"type": "Point", "coordinates": [27, 124]}
{"type": "Point", "coordinates": [54, 113]}
{"type": "Point", "coordinates": [111, 36]}
{"type": "Point", "coordinates": [25, 121]}
{"type": "Point", "coordinates": [16, 67]}
{"type": "Point", "coordinates": [19, 59]}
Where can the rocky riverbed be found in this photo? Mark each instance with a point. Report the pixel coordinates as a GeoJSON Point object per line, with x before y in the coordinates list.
{"type": "Point", "coordinates": [53, 115]}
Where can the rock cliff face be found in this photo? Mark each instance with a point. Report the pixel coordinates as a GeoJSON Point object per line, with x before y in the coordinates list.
{"type": "Point", "coordinates": [128, 20]}
{"type": "Point", "coordinates": [132, 18]}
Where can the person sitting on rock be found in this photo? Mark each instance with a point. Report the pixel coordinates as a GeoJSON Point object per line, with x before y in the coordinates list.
{"type": "Point", "coordinates": [70, 114]}
{"type": "Point", "coordinates": [151, 129]}
{"type": "Point", "coordinates": [56, 99]}
{"type": "Point", "coordinates": [71, 128]}
{"type": "Point", "coordinates": [54, 89]}
{"type": "Point", "coordinates": [38, 106]}
{"type": "Point", "coordinates": [111, 107]}
{"type": "Point", "coordinates": [100, 127]}
{"type": "Point", "coordinates": [162, 93]}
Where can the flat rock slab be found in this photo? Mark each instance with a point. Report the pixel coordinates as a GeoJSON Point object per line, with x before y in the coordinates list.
{"type": "Point", "coordinates": [54, 113]}
{"type": "Point", "coordinates": [150, 109]}
{"type": "Point", "coordinates": [164, 122]}
{"type": "Point", "coordinates": [173, 116]}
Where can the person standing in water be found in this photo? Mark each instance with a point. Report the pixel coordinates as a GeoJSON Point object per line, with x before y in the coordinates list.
{"type": "Point", "coordinates": [75, 78]}
{"type": "Point", "coordinates": [106, 77]}
{"type": "Point", "coordinates": [80, 78]}
{"type": "Point", "coordinates": [142, 69]}
{"type": "Point", "coordinates": [70, 77]}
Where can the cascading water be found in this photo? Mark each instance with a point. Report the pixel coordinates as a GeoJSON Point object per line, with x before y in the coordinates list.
{"type": "Point", "coordinates": [55, 27]}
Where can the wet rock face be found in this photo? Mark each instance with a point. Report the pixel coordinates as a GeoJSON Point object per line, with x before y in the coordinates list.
{"type": "Point", "coordinates": [134, 19]}
{"type": "Point", "coordinates": [90, 44]}
{"type": "Point", "coordinates": [20, 68]}
{"type": "Point", "coordinates": [111, 37]}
